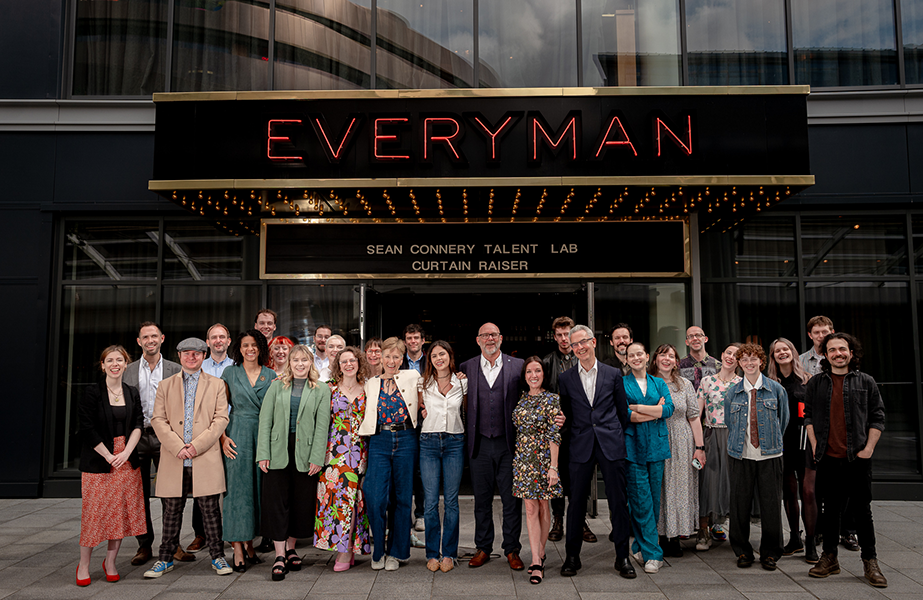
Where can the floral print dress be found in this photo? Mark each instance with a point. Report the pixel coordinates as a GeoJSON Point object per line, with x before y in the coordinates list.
{"type": "Point", "coordinates": [533, 419]}
{"type": "Point", "coordinates": [339, 493]}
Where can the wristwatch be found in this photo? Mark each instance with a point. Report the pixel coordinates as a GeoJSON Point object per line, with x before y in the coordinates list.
{"type": "Point", "coordinates": [702, 448]}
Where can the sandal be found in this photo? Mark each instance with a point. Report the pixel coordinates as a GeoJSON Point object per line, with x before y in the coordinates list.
{"type": "Point", "coordinates": [535, 579]}
{"type": "Point", "coordinates": [240, 567]}
{"type": "Point", "coordinates": [253, 560]}
{"type": "Point", "coordinates": [279, 569]}
{"type": "Point", "coordinates": [293, 561]}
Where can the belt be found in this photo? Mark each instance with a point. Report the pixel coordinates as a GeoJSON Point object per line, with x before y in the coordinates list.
{"type": "Point", "coordinates": [406, 424]}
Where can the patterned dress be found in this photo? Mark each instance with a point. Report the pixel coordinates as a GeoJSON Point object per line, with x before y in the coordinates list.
{"type": "Point", "coordinates": [339, 495]}
{"type": "Point", "coordinates": [533, 419]}
{"type": "Point", "coordinates": [714, 482]}
{"type": "Point", "coordinates": [679, 505]}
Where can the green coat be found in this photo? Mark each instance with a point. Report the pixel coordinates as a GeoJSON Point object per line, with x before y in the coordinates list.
{"type": "Point", "coordinates": [311, 430]}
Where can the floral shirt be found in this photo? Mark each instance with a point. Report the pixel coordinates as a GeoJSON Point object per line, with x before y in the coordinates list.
{"type": "Point", "coordinates": [712, 391]}
{"type": "Point", "coordinates": [391, 408]}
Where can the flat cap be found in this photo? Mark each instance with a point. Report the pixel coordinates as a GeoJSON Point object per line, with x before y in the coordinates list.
{"type": "Point", "coordinates": [192, 343]}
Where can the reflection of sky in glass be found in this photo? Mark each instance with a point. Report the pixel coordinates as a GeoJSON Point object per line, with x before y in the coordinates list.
{"type": "Point", "coordinates": [846, 24]}
{"type": "Point", "coordinates": [656, 29]}
{"type": "Point", "coordinates": [529, 43]}
{"type": "Point", "coordinates": [448, 23]}
{"type": "Point", "coordinates": [912, 21]}
{"type": "Point", "coordinates": [735, 25]}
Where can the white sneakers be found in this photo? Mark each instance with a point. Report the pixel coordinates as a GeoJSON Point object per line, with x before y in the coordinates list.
{"type": "Point", "coordinates": [418, 524]}
{"type": "Point", "coordinates": [391, 563]}
{"type": "Point", "coordinates": [652, 566]}
{"type": "Point", "coordinates": [378, 565]}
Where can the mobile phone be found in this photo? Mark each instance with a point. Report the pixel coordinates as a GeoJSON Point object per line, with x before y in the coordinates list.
{"type": "Point", "coordinates": [698, 465]}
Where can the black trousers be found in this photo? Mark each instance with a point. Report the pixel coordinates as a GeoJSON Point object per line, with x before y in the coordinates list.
{"type": "Point", "coordinates": [288, 500]}
{"type": "Point", "coordinates": [581, 477]}
{"type": "Point", "coordinates": [493, 466]}
{"type": "Point", "coordinates": [148, 460]}
{"type": "Point", "coordinates": [762, 480]}
{"type": "Point", "coordinates": [845, 486]}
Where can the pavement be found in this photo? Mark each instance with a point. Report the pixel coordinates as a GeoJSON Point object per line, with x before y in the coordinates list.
{"type": "Point", "coordinates": [39, 552]}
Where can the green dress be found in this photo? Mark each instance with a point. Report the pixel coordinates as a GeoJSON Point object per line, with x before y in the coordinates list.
{"type": "Point", "coordinates": [241, 520]}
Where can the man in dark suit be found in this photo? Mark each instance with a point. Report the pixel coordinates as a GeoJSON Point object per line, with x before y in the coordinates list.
{"type": "Point", "coordinates": [493, 390]}
{"type": "Point", "coordinates": [145, 375]}
{"type": "Point", "coordinates": [596, 408]}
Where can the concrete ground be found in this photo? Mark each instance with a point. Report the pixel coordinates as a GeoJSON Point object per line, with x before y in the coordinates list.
{"type": "Point", "coordinates": [39, 552]}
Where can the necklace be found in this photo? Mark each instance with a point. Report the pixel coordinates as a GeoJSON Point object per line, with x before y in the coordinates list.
{"type": "Point", "coordinates": [446, 377]}
{"type": "Point", "coordinates": [724, 380]}
{"type": "Point", "coordinates": [117, 397]}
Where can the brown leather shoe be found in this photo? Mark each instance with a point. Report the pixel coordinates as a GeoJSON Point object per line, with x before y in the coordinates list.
{"type": "Point", "coordinates": [183, 556]}
{"type": "Point", "coordinates": [873, 573]}
{"type": "Point", "coordinates": [556, 533]}
{"type": "Point", "coordinates": [515, 562]}
{"type": "Point", "coordinates": [143, 555]}
{"type": "Point", "coordinates": [826, 566]}
{"type": "Point", "coordinates": [197, 544]}
{"type": "Point", "coordinates": [588, 536]}
{"type": "Point", "coordinates": [480, 557]}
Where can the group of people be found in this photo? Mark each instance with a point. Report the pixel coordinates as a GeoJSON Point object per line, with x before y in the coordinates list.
{"type": "Point", "coordinates": [329, 444]}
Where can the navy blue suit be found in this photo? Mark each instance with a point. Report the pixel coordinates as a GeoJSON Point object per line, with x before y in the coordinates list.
{"type": "Point", "coordinates": [491, 458]}
{"type": "Point", "coordinates": [597, 436]}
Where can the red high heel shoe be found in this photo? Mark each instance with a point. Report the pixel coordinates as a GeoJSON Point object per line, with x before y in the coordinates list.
{"type": "Point", "coordinates": [82, 582]}
{"type": "Point", "coordinates": [110, 578]}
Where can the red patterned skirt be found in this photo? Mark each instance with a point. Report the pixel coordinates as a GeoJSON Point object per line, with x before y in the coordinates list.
{"type": "Point", "coordinates": [113, 503]}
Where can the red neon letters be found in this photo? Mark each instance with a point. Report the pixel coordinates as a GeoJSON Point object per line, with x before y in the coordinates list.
{"type": "Point", "coordinates": [537, 127]}
{"type": "Point", "coordinates": [379, 137]}
{"type": "Point", "coordinates": [278, 138]}
{"type": "Point", "coordinates": [446, 139]}
{"type": "Point", "coordinates": [334, 155]}
{"type": "Point", "coordinates": [494, 151]}
{"type": "Point", "coordinates": [625, 141]}
{"type": "Point", "coordinates": [687, 147]}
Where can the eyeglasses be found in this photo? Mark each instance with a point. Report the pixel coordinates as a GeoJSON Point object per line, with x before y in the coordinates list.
{"type": "Point", "coordinates": [696, 336]}
{"type": "Point", "coordinates": [581, 343]}
{"type": "Point", "coordinates": [489, 336]}
{"type": "Point", "coordinates": [348, 361]}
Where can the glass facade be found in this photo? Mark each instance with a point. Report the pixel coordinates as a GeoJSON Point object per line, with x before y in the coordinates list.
{"type": "Point", "coordinates": [120, 48]}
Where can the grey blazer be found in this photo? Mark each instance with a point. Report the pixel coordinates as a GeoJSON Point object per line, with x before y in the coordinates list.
{"type": "Point", "coordinates": [132, 376]}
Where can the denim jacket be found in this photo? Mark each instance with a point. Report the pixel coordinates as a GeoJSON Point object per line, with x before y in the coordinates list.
{"type": "Point", "coordinates": [772, 415]}
{"type": "Point", "coordinates": [861, 403]}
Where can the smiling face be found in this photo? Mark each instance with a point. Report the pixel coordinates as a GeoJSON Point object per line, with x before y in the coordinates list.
{"type": "Point", "coordinates": [439, 358]}
{"type": "Point", "coordinates": [621, 338]}
{"type": "Point", "coordinates": [489, 340]}
{"type": "Point", "coordinates": [392, 361]}
{"type": "Point", "coordinates": [373, 355]}
{"type": "Point", "coordinates": [414, 342]}
{"type": "Point", "coordinates": [637, 358]}
{"type": "Point", "coordinates": [349, 364]}
{"type": "Point", "coordinates": [750, 363]}
{"type": "Point", "coordinates": [665, 361]}
{"type": "Point", "coordinates": [535, 375]}
{"type": "Point", "coordinates": [150, 339]}
{"type": "Point", "coordinates": [279, 354]}
{"type": "Point", "coordinates": [782, 354]}
{"type": "Point", "coordinates": [218, 340]}
{"type": "Point", "coordinates": [320, 339]}
{"type": "Point", "coordinates": [562, 337]}
{"type": "Point", "coordinates": [265, 324]}
{"type": "Point", "coordinates": [838, 355]}
{"type": "Point", "coordinates": [584, 346]}
{"type": "Point", "coordinates": [729, 358]}
{"type": "Point", "coordinates": [191, 360]}
{"type": "Point", "coordinates": [300, 364]}
{"type": "Point", "coordinates": [249, 349]}
{"type": "Point", "coordinates": [114, 365]}
{"type": "Point", "coordinates": [695, 338]}
{"type": "Point", "coordinates": [335, 344]}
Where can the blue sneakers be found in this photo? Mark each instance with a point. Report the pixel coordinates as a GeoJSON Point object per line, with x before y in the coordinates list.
{"type": "Point", "coordinates": [160, 567]}
{"type": "Point", "coordinates": [221, 565]}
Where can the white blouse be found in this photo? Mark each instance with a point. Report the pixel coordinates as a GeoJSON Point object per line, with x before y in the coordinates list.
{"type": "Point", "coordinates": [443, 413]}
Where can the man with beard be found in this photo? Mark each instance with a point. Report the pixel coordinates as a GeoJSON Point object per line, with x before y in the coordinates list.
{"type": "Point", "coordinates": [698, 363]}
{"type": "Point", "coordinates": [620, 338]}
{"type": "Point", "coordinates": [493, 391]}
{"type": "Point", "coordinates": [321, 334]}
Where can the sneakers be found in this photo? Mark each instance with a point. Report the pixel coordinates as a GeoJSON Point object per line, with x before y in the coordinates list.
{"type": "Point", "coordinates": [160, 567]}
{"type": "Point", "coordinates": [221, 565]}
{"type": "Point", "coordinates": [652, 566]}
{"type": "Point", "coordinates": [873, 573]}
{"type": "Point", "coordinates": [392, 564]}
{"type": "Point", "coordinates": [378, 565]}
{"type": "Point", "coordinates": [702, 540]}
{"type": "Point", "coordinates": [418, 524]}
{"type": "Point", "coordinates": [416, 542]}
{"type": "Point", "coordinates": [826, 566]}
{"type": "Point", "coordinates": [718, 533]}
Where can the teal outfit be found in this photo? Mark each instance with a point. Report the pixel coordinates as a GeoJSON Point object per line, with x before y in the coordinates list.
{"type": "Point", "coordinates": [647, 445]}
{"type": "Point", "coordinates": [241, 521]}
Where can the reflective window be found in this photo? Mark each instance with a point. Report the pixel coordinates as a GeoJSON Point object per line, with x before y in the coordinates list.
{"type": "Point", "coordinates": [630, 42]}
{"type": "Point", "coordinates": [425, 44]}
{"type": "Point", "coordinates": [110, 250]}
{"type": "Point", "coordinates": [323, 45]}
{"type": "Point", "coordinates": [220, 45]}
{"type": "Point", "coordinates": [876, 313]}
{"type": "Point", "coordinates": [189, 310]}
{"type": "Point", "coordinates": [197, 251]}
{"type": "Point", "coordinates": [844, 42]}
{"type": "Point", "coordinates": [91, 319]}
{"type": "Point", "coordinates": [764, 247]}
{"type": "Point", "coordinates": [301, 308]}
{"type": "Point", "coordinates": [656, 313]}
{"type": "Point", "coordinates": [736, 42]}
{"type": "Point", "coordinates": [527, 43]}
{"type": "Point", "coordinates": [917, 228]}
{"type": "Point", "coordinates": [853, 246]}
{"type": "Point", "coordinates": [120, 48]}
{"type": "Point", "coordinates": [749, 312]}
{"type": "Point", "coordinates": [912, 30]}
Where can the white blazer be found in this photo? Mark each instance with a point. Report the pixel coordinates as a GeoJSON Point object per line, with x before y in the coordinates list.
{"type": "Point", "coordinates": [406, 381]}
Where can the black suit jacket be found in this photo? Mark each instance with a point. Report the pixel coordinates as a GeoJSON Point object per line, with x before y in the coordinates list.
{"type": "Point", "coordinates": [605, 420]}
{"type": "Point", "coordinates": [96, 426]}
{"type": "Point", "coordinates": [509, 379]}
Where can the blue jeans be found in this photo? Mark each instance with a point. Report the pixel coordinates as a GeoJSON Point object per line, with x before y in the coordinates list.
{"type": "Point", "coordinates": [392, 460]}
{"type": "Point", "coordinates": [441, 458]}
{"type": "Point", "coordinates": [645, 481]}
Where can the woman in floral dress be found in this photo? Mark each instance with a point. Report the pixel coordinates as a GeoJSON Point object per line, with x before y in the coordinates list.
{"type": "Point", "coordinates": [342, 524]}
{"type": "Point", "coordinates": [535, 466]}
{"type": "Point", "coordinates": [714, 483]}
